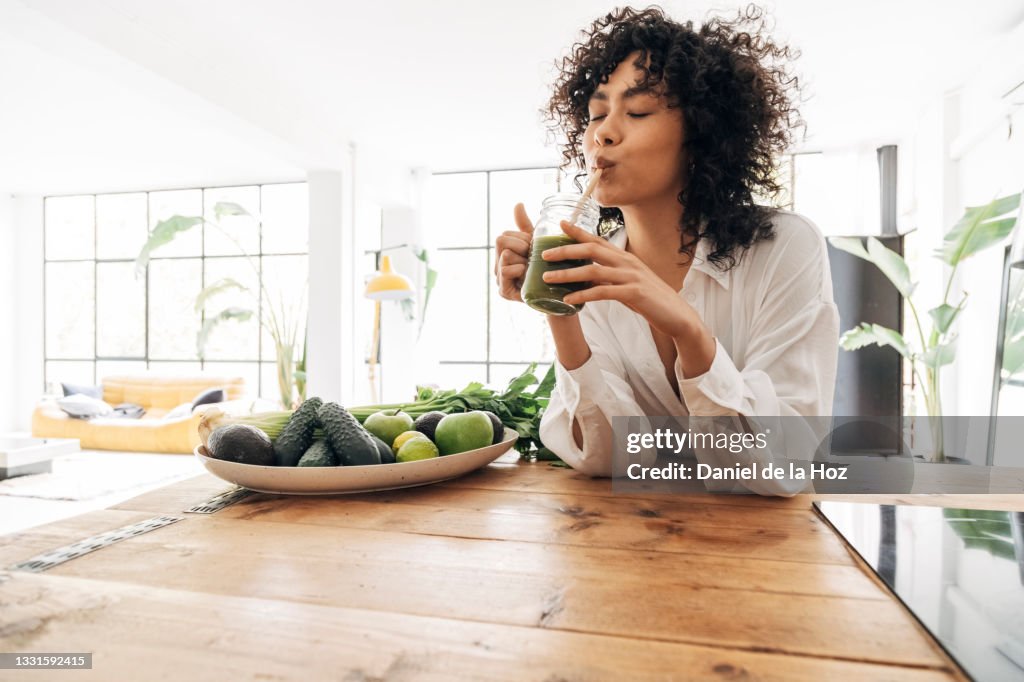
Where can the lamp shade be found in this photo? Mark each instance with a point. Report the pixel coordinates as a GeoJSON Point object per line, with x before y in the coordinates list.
{"type": "Point", "coordinates": [388, 285]}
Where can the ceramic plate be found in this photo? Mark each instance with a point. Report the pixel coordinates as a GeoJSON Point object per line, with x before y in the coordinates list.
{"type": "Point", "coordinates": [358, 479]}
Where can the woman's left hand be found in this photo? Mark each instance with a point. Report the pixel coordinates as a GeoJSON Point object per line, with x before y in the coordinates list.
{"type": "Point", "coordinates": [617, 275]}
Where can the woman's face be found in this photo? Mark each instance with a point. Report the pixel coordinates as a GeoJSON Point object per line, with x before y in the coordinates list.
{"type": "Point", "coordinates": [636, 139]}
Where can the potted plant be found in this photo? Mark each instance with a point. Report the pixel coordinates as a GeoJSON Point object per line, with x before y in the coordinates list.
{"type": "Point", "coordinates": [283, 322]}
{"type": "Point", "coordinates": [934, 345]}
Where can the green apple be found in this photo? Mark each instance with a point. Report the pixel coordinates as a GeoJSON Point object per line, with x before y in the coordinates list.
{"type": "Point", "coordinates": [387, 424]}
{"type": "Point", "coordinates": [463, 431]}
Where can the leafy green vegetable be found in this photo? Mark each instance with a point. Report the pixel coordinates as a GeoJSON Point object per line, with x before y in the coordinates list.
{"type": "Point", "coordinates": [518, 408]}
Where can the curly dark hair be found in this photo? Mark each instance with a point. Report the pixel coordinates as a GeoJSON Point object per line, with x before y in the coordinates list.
{"type": "Point", "coordinates": [738, 101]}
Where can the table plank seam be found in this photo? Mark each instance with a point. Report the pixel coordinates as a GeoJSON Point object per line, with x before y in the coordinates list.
{"type": "Point", "coordinates": [695, 642]}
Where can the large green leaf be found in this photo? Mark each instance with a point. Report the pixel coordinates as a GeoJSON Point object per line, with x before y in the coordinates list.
{"type": "Point", "coordinates": [979, 228]}
{"type": "Point", "coordinates": [982, 529]}
{"type": "Point", "coordinates": [164, 233]}
{"type": "Point", "coordinates": [888, 261]}
{"type": "Point", "coordinates": [851, 245]}
{"type": "Point", "coordinates": [940, 355]}
{"type": "Point", "coordinates": [892, 266]}
{"type": "Point", "coordinates": [229, 208]}
{"type": "Point", "coordinates": [867, 334]}
{"type": "Point", "coordinates": [217, 287]}
{"type": "Point", "coordinates": [240, 314]}
{"type": "Point", "coordinates": [943, 317]}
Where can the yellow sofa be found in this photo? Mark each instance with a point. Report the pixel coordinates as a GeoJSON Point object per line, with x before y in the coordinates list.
{"type": "Point", "coordinates": [152, 433]}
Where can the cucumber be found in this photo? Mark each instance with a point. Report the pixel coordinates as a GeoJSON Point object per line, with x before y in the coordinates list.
{"type": "Point", "coordinates": [319, 454]}
{"type": "Point", "coordinates": [297, 435]}
{"type": "Point", "coordinates": [350, 441]}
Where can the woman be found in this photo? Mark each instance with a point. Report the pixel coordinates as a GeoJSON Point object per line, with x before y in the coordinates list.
{"type": "Point", "coordinates": [703, 303]}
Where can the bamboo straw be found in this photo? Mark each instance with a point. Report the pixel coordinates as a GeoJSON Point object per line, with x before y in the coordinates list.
{"type": "Point", "coordinates": [586, 195]}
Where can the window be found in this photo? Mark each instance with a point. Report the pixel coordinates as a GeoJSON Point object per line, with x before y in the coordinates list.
{"type": "Point", "coordinates": [479, 336]}
{"type": "Point", "coordinates": [101, 319]}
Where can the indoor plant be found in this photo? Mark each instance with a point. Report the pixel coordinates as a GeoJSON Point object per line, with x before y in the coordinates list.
{"type": "Point", "coordinates": [283, 322]}
{"type": "Point", "coordinates": [935, 343]}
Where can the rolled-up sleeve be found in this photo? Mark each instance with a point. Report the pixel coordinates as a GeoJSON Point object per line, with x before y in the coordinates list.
{"type": "Point", "coordinates": [590, 395]}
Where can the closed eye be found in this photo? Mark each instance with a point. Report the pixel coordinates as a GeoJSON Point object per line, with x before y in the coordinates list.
{"type": "Point", "coordinates": [631, 115]}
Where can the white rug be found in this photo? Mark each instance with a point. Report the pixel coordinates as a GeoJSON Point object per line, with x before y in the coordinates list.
{"type": "Point", "coordinates": [93, 473]}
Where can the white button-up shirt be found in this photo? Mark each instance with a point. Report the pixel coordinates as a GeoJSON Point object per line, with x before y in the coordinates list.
{"type": "Point", "coordinates": [776, 328]}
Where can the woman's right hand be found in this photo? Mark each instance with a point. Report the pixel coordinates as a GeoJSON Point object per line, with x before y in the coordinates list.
{"type": "Point", "coordinates": [512, 249]}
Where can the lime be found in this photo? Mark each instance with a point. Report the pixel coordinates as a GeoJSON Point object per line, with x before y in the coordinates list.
{"type": "Point", "coordinates": [463, 431]}
{"type": "Point", "coordinates": [416, 448]}
{"type": "Point", "coordinates": [404, 436]}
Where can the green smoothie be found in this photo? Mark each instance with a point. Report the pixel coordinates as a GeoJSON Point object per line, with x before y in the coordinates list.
{"type": "Point", "coordinates": [546, 296]}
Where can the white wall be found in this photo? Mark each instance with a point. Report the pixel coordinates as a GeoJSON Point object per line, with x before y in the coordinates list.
{"type": "Point", "coordinates": [27, 348]}
{"type": "Point", "coordinates": [8, 330]}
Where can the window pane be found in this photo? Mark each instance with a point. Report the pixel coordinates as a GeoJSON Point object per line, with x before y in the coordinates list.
{"type": "Point", "coordinates": [518, 333]}
{"type": "Point", "coordinates": [501, 375]}
{"type": "Point", "coordinates": [250, 371]}
{"type": "Point", "coordinates": [457, 377]}
{"type": "Point", "coordinates": [232, 339]}
{"type": "Point", "coordinates": [285, 280]}
{"type": "Point", "coordinates": [110, 368]}
{"type": "Point", "coordinates": [121, 311]}
{"type": "Point", "coordinates": [243, 229]}
{"type": "Point", "coordinates": [175, 369]}
{"type": "Point", "coordinates": [69, 310]}
{"type": "Point", "coordinates": [509, 188]}
{"type": "Point", "coordinates": [80, 373]}
{"type": "Point", "coordinates": [285, 214]}
{"type": "Point", "coordinates": [120, 225]}
{"type": "Point", "coordinates": [173, 322]}
{"type": "Point", "coordinates": [456, 210]}
{"type": "Point", "coordinates": [69, 227]}
{"type": "Point", "coordinates": [456, 320]}
{"type": "Point", "coordinates": [268, 387]}
{"type": "Point", "coordinates": [183, 202]}
{"type": "Point", "coordinates": [811, 191]}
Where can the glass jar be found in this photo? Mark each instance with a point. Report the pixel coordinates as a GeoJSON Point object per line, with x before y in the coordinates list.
{"type": "Point", "coordinates": [547, 296]}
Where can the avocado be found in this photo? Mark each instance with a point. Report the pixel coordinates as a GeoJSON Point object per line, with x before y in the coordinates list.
{"type": "Point", "coordinates": [350, 441]}
{"type": "Point", "coordinates": [319, 454]}
{"type": "Point", "coordinates": [427, 423]}
{"type": "Point", "coordinates": [499, 428]}
{"type": "Point", "coordinates": [241, 443]}
{"type": "Point", "coordinates": [387, 455]}
{"type": "Point", "coordinates": [297, 435]}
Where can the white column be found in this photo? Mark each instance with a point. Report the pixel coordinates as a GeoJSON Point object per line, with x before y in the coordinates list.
{"type": "Point", "coordinates": [398, 335]}
{"type": "Point", "coordinates": [329, 360]}
{"type": "Point", "coordinates": [28, 340]}
{"type": "Point", "coordinates": [8, 329]}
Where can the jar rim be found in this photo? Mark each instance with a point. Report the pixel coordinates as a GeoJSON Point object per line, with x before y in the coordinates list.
{"type": "Point", "coordinates": [571, 199]}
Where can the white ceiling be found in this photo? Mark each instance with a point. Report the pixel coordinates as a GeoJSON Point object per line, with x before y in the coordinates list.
{"type": "Point", "coordinates": [123, 94]}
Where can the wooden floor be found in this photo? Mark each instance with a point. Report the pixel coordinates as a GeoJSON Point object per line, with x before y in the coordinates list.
{"type": "Point", "coordinates": [516, 572]}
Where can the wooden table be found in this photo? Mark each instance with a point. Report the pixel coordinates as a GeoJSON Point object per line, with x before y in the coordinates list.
{"type": "Point", "coordinates": [516, 572]}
